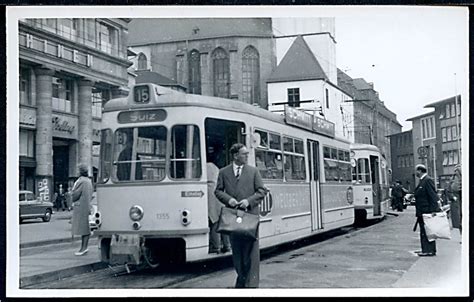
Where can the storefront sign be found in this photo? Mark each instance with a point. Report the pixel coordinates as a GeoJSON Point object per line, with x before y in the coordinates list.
{"type": "Point", "coordinates": [307, 121]}
{"type": "Point", "coordinates": [64, 126]}
{"type": "Point", "coordinates": [142, 116]}
{"type": "Point", "coordinates": [27, 117]}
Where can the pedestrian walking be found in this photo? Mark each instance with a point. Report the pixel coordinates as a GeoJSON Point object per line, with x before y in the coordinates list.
{"type": "Point", "coordinates": [81, 197]}
{"type": "Point", "coordinates": [453, 193]}
{"type": "Point", "coordinates": [398, 193]}
{"type": "Point", "coordinates": [426, 202]}
{"type": "Point", "coordinates": [240, 185]}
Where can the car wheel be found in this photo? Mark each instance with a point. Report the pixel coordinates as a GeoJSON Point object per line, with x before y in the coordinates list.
{"type": "Point", "coordinates": [47, 215]}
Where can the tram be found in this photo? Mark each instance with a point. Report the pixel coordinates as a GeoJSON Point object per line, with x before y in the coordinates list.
{"type": "Point", "coordinates": [370, 182]}
{"type": "Point", "coordinates": [152, 185]}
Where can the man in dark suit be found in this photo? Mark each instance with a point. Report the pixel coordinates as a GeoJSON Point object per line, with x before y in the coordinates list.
{"type": "Point", "coordinates": [240, 185]}
{"type": "Point", "coordinates": [426, 201]}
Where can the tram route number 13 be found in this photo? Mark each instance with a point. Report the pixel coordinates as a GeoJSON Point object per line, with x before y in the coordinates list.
{"type": "Point", "coordinates": [141, 94]}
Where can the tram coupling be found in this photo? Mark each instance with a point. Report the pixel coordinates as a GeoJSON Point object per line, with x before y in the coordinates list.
{"type": "Point", "coordinates": [126, 249]}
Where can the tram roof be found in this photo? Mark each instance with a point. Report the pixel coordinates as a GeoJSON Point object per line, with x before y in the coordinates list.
{"type": "Point", "coordinates": [367, 147]}
{"type": "Point", "coordinates": [171, 98]}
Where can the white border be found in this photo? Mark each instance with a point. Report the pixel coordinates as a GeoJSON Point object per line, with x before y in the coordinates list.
{"type": "Point", "coordinates": [13, 13]}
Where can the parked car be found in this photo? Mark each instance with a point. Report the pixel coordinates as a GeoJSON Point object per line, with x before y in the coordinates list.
{"type": "Point", "coordinates": [32, 207]}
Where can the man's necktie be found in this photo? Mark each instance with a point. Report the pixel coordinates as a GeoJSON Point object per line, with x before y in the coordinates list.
{"type": "Point", "coordinates": [237, 175]}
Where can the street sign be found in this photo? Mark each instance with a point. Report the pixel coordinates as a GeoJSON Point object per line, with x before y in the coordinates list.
{"type": "Point", "coordinates": [422, 151]}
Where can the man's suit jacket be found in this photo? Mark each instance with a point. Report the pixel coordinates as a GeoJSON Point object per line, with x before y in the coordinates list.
{"type": "Point", "coordinates": [426, 198]}
{"type": "Point", "coordinates": [249, 186]}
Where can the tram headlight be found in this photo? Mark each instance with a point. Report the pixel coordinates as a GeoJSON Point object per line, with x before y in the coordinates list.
{"type": "Point", "coordinates": [186, 217]}
{"type": "Point", "coordinates": [136, 213]}
{"type": "Point", "coordinates": [366, 200]}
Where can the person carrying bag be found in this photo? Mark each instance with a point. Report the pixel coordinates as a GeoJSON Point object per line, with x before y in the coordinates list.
{"type": "Point", "coordinates": [437, 226]}
{"type": "Point", "coordinates": [240, 188]}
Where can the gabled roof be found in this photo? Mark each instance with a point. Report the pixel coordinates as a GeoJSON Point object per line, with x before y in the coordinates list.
{"type": "Point", "coordinates": [146, 76]}
{"type": "Point", "coordinates": [420, 116]}
{"type": "Point", "coordinates": [160, 30]}
{"type": "Point", "coordinates": [361, 84]}
{"type": "Point", "coordinates": [299, 63]}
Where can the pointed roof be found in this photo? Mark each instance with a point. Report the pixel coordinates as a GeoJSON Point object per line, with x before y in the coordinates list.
{"type": "Point", "coordinates": [299, 63]}
{"type": "Point", "coordinates": [146, 76]}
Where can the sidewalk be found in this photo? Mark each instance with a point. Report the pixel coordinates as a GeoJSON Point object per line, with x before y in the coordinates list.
{"type": "Point", "coordinates": [37, 264]}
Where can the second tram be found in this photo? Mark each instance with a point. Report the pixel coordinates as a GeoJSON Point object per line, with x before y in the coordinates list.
{"type": "Point", "coordinates": [370, 182]}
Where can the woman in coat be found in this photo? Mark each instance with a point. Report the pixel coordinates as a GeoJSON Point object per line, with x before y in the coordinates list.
{"type": "Point", "coordinates": [81, 198]}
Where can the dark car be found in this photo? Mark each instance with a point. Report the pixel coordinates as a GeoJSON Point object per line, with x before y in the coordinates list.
{"type": "Point", "coordinates": [32, 207]}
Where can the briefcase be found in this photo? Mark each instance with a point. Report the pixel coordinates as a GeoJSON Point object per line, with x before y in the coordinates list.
{"type": "Point", "coordinates": [238, 222]}
{"type": "Point", "coordinates": [437, 226]}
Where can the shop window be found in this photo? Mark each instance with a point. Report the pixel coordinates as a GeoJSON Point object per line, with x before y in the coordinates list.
{"type": "Point", "coordinates": [62, 94]}
{"type": "Point", "coordinates": [25, 86]}
{"type": "Point", "coordinates": [27, 143]}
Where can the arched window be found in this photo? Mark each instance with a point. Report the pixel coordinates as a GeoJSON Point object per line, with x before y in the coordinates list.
{"type": "Point", "coordinates": [220, 67]}
{"type": "Point", "coordinates": [194, 79]}
{"type": "Point", "coordinates": [250, 75]}
{"type": "Point", "coordinates": [142, 64]}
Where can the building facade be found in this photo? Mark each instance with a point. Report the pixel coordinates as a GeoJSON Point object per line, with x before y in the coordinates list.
{"type": "Point", "coordinates": [301, 82]}
{"type": "Point", "coordinates": [424, 143]}
{"type": "Point", "coordinates": [68, 69]}
{"type": "Point", "coordinates": [447, 114]}
{"type": "Point", "coordinates": [372, 122]}
{"type": "Point", "coordinates": [230, 58]}
{"type": "Point", "coordinates": [403, 159]}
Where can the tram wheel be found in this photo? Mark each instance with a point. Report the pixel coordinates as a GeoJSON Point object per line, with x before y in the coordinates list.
{"type": "Point", "coordinates": [150, 260]}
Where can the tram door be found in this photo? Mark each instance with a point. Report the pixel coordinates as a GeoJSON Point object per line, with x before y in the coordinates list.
{"type": "Point", "coordinates": [313, 160]}
{"type": "Point", "coordinates": [374, 171]}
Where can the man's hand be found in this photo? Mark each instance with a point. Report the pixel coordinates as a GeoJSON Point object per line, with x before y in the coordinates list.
{"type": "Point", "coordinates": [244, 203]}
{"type": "Point", "coordinates": [233, 202]}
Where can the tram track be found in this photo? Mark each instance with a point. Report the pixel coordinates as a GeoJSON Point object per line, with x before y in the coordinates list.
{"type": "Point", "coordinates": [169, 275]}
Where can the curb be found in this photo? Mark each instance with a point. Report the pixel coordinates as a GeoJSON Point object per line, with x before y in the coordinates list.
{"type": "Point", "coordinates": [61, 274]}
{"type": "Point", "coordinates": [53, 241]}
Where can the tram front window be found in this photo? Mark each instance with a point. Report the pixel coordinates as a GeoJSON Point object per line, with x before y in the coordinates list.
{"type": "Point", "coordinates": [139, 154]}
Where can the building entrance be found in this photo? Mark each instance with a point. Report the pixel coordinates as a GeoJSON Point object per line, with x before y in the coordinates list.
{"type": "Point", "coordinates": [60, 165]}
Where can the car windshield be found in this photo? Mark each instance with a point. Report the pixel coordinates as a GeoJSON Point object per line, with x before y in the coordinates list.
{"type": "Point", "coordinates": [22, 196]}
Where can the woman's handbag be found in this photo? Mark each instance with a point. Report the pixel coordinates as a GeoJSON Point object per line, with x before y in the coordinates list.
{"type": "Point", "coordinates": [238, 222]}
{"type": "Point", "coordinates": [437, 226]}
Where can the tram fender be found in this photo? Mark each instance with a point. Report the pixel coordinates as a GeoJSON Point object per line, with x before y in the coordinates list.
{"type": "Point", "coordinates": [125, 248]}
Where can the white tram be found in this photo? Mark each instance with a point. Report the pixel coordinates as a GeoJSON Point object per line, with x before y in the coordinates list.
{"type": "Point", "coordinates": [370, 182]}
{"type": "Point", "coordinates": [153, 201]}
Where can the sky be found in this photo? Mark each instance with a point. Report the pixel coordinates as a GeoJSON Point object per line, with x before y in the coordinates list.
{"type": "Point", "coordinates": [410, 54]}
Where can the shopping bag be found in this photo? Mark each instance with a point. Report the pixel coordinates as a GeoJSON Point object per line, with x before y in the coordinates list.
{"type": "Point", "coordinates": [437, 226]}
{"type": "Point", "coordinates": [238, 222]}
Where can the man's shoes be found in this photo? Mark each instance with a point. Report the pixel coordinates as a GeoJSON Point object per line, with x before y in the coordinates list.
{"type": "Point", "coordinates": [225, 249]}
{"type": "Point", "coordinates": [426, 254]}
{"type": "Point", "coordinates": [417, 252]}
{"type": "Point", "coordinates": [214, 251]}
{"type": "Point", "coordinates": [81, 253]}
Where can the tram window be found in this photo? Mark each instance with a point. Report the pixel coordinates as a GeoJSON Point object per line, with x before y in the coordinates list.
{"type": "Point", "coordinates": [275, 142]}
{"type": "Point", "coordinates": [263, 138]}
{"type": "Point", "coordinates": [141, 150]}
{"type": "Point", "coordinates": [287, 144]}
{"type": "Point", "coordinates": [363, 172]}
{"type": "Point", "coordinates": [295, 168]}
{"type": "Point", "coordinates": [105, 155]}
{"type": "Point", "coordinates": [337, 166]}
{"type": "Point", "coordinates": [269, 164]}
{"type": "Point", "coordinates": [185, 161]}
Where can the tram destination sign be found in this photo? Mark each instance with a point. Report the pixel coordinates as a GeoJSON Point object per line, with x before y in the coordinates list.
{"type": "Point", "coordinates": [141, 116]}
{"type": "Point", "coordinates": [307, 121]}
